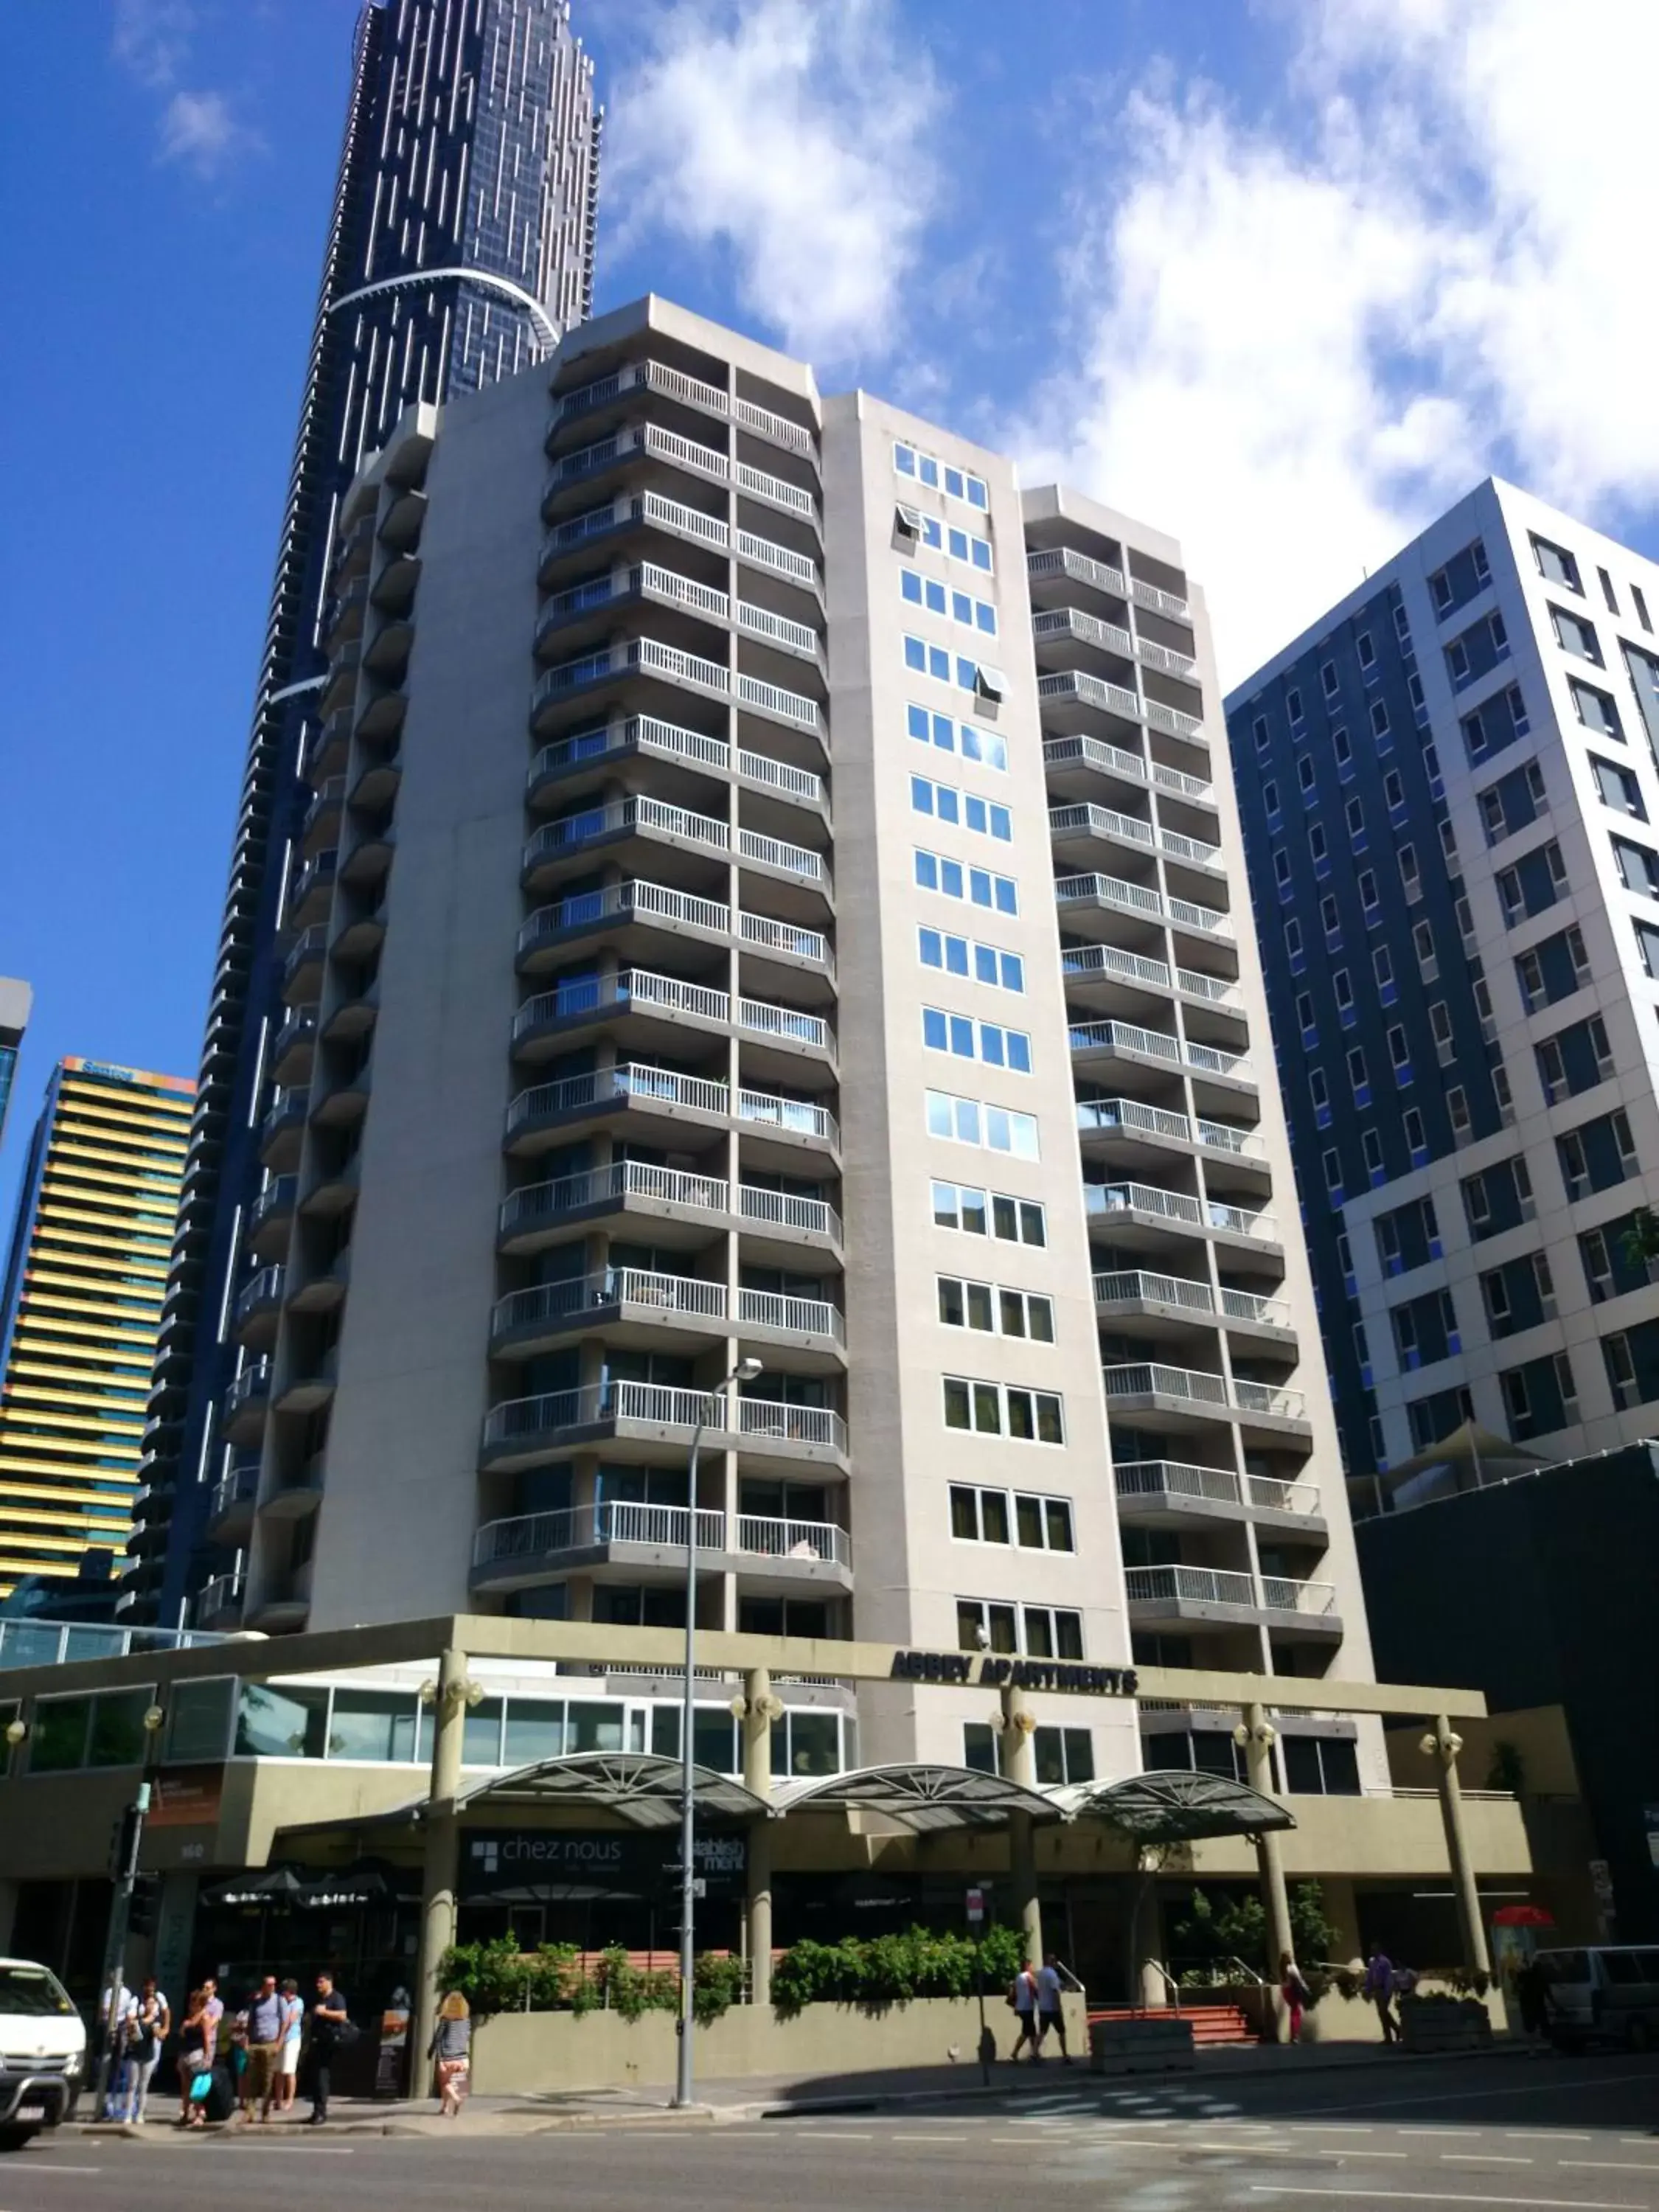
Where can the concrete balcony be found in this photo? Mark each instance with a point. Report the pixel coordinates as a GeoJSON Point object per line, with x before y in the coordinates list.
{"type": "Point", "coordinates": [329, 748]}
{"type": "Point", "coordinates": [320, 1289]}
{"type": "Point", "coordinates": [291, 1052]}
{"type": "Point", "coordinates": [242, 1410]}
{"type": "Point", "coordinates": [1160, 1299]}
{"type": "Point", "coordinates": [1079, 896]}
{"type": "Point", "coordinates": [595, 755]}
{"type": "Point", "coordinates": [631, 1305]}
{"type": "Point", "coordinates": [312, 891]}
{"type": "Point", "coordinates": [558, 848]}
{"type": "Point", "coordinates": [302, 970]}
{"type": "Point", "coordinates": [282, 1129]}
{"type": "Point", "coordinates": [1075, 828]}
{"type": "Point", "coordinates": [593, 402]}
{"type": "Point", "coordinates": [620, 1541]}
{"type": "Point", "coordinates": [591, 606]}
{"type": "Point", "coordinates": [218, 1603]}
{"type": "Point", "coordinates": [321, 827]}
{"type": "Point", "coordinates": [270, 1218]}
{"type": "Point", "coordinates": [636, 448]}
{"type": "Point", "coordinates": [1106, 976]}
{"type": "Point", "coordinates": [1160, 1493]}
{"type": "Point", "coordinates": [610, 669]}
{"type": "Point", "coordinates": [1216, 1597]}
{"type": "Point", "coordinates": [1182, 1396]}
{"type": "Point", "coordinates": [1131, 1133]}
{"type": "Point", "coordinates": [636, 918]}
{"type": "Point", "coordinates": [258, 1310]}
{"type": "Point", "coordinates": [1049, 566]}
{"type": "Point", "coordinates": [637, 1420]}
{"type": "Point", "coordinates": [284, 1603]}
{"type": "Point", "coordinates": [309, 1387]}
{"type": "Point", "coordinates": [1074, 766]}
{"type": "Point", "coordinates": [641, 1008]}
{"type": "Point", "coordinates": [1074, 703]}
{"type": "Point", "coordinates": [691, 1109]}
{"type": "Point", "coordinates": [1093, 1042]}
{"type": "Point", "coordinates": [679, 1208]}
{"type": "Point", "coordinates": [230, 1507]}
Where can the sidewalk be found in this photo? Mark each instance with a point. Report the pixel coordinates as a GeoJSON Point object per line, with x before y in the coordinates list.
{"type": "Point", "coordinates": [779, 2097]}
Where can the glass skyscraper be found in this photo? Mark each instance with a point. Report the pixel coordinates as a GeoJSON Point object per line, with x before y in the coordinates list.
{"type": "Point", "coordinates": [15, 1001]}
{"type": "Point", "coordinates": [460, 248]}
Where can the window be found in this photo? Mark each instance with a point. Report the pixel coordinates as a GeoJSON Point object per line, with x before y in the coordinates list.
{"type": "Point", "coordinates": [1341, 748]}
{"type": "Point", "coordinates": [1382, 965]}
{"type": "Point", "coordinates": [1596, 1155]}
{"type": "Point", "coordinates": [1639, 600]}
{"type": "Point", "coordinates": [1440, 1028]}
{"type": "Point", "coordinates": [1638, 867]}
{"type": "Point", "coordinates": [1595, 710]}
{"type": "Point", "coordinates": [1293, 704]}
{"type": "Point", "coordinates": [956, 483]}
{"type": "Point", "coordinates": [988, 1213]}
{"type": "Point", "coordinates": [1316, 842]}
{"type": "Point", "coordinates": [1556, 565]}
{"type": "Point", "coordinates": [1576, 635]}
{"type": "Point", "coordinates": [1331, 1163]}
{"type": "Point", "coordinates": [1260, 732]}
{"type": "Point", "coordinates": [1409, 874]}
{"type": "Point", "coordinates": [907, 523]}
{"type": "Point", "coordinates": [1040, 1631]}
{"type": "Point", "coordinates": [1364, 649]}
{"type": "Point", "coordinates": [1319, 1090]}
{"type": "Point", "coordinates": [1003, 1409]}
{"type": "Point", "coordinates": [1354, 814]}
{"type": "Point", "coordinates": [1431, 769]}
{"type": "Point", "coordinates": [995, 1309]}
{"type": "Point", "coordinates": [1304, 770]}
{"type": "Point", "coordinates": [1282, 868]}
{"type": "Point", "coordinates": [1270, 799]}
{"type": "Point", "coordinates": [1646, 943]}
{"type": "Point", "coordinates": [1400, 1053]}
{"type": "Point", "coordinates": [946, 804]}
{"type": "Point", "coordinates": [1368, 893]}
{"type": "Point", "coordinates": [1394, 791]}
{"type": "Point", "coordinates": [995, 1516]}
{"type": "Point", "coordinates": [986, 746]}
{"type": "Point", "coordinates": [963, 955]}
{"type": "Point", "coordinates": [1379, 720]}
{"type": "Point", "coordinates": [1293, 940]}
{"type": "Point", "coordinates": [1330, 920]}
{"type": "Point", "coordinates": [1304, 1012]}
{"type": "Point", "coordinates": [966, 1038]}
{"type": "Point", "coordinates": [1329, 679]}
{"type": "Point", "coordinates": [1371, 1145]}
{"type": "Point", "coordinates": [1478, 562]}
{"type": "Point", "coordinates": [935, 873]}
{"type": "Point", "coordinates": [1539, 1397]}
{"type": "Point", "coordinates": [1411, 1122]}
{"type": "Point", "coordinates": [978, 677]}
{"type": "Point", "coordinates": [920, 590]}
{"type": "Point", "coordinates": [1358, 1075]}
{"type": "Point", "coordinates": [969, 1121]}
{"type": "Point", "coordinates": [1447, 843]}
{"type": "Point", "coordinates": [1457, 1110]}
{"type": "Point", "coordinates": [1402, 628]}
{"type": "Point", "coordinates": [1342, 988]}
{"type": "Point", "coordinates": [1428, 960]}
{"type": "Point", "coordinates": [1618, 786]}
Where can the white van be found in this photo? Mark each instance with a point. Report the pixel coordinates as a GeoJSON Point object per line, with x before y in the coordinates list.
{"type": "Point", "coordinates": [1603, 1993]}
{"type": "Point", "coordinates": [43, 2051]}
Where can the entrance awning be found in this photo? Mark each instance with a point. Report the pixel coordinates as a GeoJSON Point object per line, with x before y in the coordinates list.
{"type": "Point", "coordinates": [638, 1787]}
{"type": "Point", "coordinates": [1175, 1805]}
{"type": "Point", "coordinates": [920, 1797]}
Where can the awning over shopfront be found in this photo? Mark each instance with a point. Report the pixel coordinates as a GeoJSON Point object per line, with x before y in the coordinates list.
{"type": "Point", "coordinates": [920, 1797]}
{"type": "Point", "coordinates": [1176, 1805]}
{"type": "Point", "coordinates": [638, 1787]}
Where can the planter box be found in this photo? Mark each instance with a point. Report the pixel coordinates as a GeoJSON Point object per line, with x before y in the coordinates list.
{"type": "Point", "coordinates": [1435, 2024]}
{"type": "Point", "coordinates": [1141, 2046]}
{"type": "Point", "coordinates": [521, 2052]}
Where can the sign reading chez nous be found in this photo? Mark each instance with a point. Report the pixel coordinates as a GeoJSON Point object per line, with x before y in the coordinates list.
{"type": "Point", "coordinates": [991, 1670]}
{"type": "Point", "coordinates": [528, 1860]}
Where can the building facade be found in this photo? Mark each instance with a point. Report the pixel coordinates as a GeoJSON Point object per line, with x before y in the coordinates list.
{"type": "Point", "coordinates": [81, 1305]}
{"type": "Point", "coordinates": [816, 939]}
{"type": "Point", "coordinates": [16, 999]}
{"type": "Point", "coordinates": [461, 245]}
{"type": "Point", "coordinates": [1447, 788]}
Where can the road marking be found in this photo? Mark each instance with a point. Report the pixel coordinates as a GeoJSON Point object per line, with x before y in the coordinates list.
{"type": "Point", "coordinates": [1642, 2143]}
{"type": "Point", "coordinates": [1474, 2132]}
{"type": "Point", "coordinates": [1544, 2135]}
{"type": "Point", "coordinates": [37, 2165]}
{"type": "Point", "coordinates": [1573, 2087]}
{"type": "Point", "coordinates": [928, 2139]}
{"type": "Point", "coordinates": [830, 2135]}
{"type": "Point", "coordinates": [1486, 2158]}
{"type": "Point", "coordinates": [1434, 2196]}
{"type": "Point", "coordinates": [1337, 2127]}
{"type": "Point", "coordinates": [1611, 2165]}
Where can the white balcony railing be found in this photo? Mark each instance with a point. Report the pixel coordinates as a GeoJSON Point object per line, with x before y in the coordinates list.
{"type": "Point", "coordinates": [781, 1209]}
{"type": "Point", "coordinates": [659, 902]}
{"type": "Point", "coordinates": [794, 1115]}
{"type": "Point", "coordinates": [1061, 561]}
{"type": "Point", "coordinates": [1087, 630]}
{"type": "Point", "coordinates": [555, 837]}
{"type": "Point", "coordinates": [630, 655]}
{"type": "Point", "coordinates": [1129, 829]}
{"type": "Point", "coordinates": [264, 1289]}
{"type": "Point", "coordinates": [774, 853]}
{"type": "Point", "coordinates": [695, 1093]}
{"type": "Point", "coordinates": [1138, 1288]}
{"type": "Point", "coordinates": [583, 1527]}
{"type": "Point", "coordinates": [1158, 1044]}
{"type": "Point", "coordinates": [1197, 1386]}
{"type": "Point", "coordinates": [667, 740]}
{"type": "Point", "coordinates": [1091, 889]}
{"type": "Point", "coordinates": [803, 1317]}
{"type": "Point", "coordinates": [1225, 1586]}
{"type": "Point", "coordinates": [548, 1305]}
{"type": "Point", "coordinates": [524, 1420]}
{"type": "Point", "coordinates": [622, 1180]}
{"type": "Point", "coordinates": [1113, 760]}
{"type": "Point", "coordinates": [797, 1425]}
{"type": "Point", "coordinates": [689, 392]}
{"type": "Point", "coordinates": [1220, 1486]}
{"type": "Point", "coordinates": [1144, 1197]}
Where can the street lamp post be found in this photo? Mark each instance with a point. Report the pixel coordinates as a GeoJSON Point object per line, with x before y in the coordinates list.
{"type": "Point", "coordinates": [744, 1371]}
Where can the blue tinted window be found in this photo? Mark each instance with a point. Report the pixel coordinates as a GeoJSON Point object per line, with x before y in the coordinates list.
{"type": "Point", "coordinates": [945, 733]}
{"type": "Point", "coordinates": [950, 878]}
{"type": "Point", "coordinates": [927, 470]}
{"type": "Point", "coordinates": [933, 1028]}
{"type": "Point", "coordinates": [1013, 972]}
{"type": "Point", "coordinates": [935, 597]}
{"type": "Point", "coordinates": [916, 717]}
{"type": "Point", "coordinates": [1019, 1051]}
{"type": "Point", "coordinates": [910, 585]}
{"type": "Point", "coordinates": [927, 871]}
{"type": "Point", "coordinates": [985, 963]}
{"type": "Point", "coordinates": [957, 542]}
{"type": "Point", "coordinates": [980, 886]}
{"type": "Point", "coordinates": [904, 460]}
{"type": "Point", "coordinates": [921, 794]}
{"type": "Point", "coordinates": [932, 533]}
{"type": "Point", "coordinates": [961, 1036]}
{"type": "Point", "coordinates": [953, 483]}
{"type": "Point", "coordinates": [938, 663]}
{"type": "Point", "coordinates": [932, 949]}
{"type": "Point", "coordinates": [975, 813]}
{"type": "Point", "coordinates": [944, 800]}
{"type": "Point", "coordinates": [1002, 824]}
{"type": "Point", "coordinates": [956, 955]}
{"type": "Point", "coordinates": [962, 606]}
{"type": "Point", "coordinates": [1007, 896]}
{"type": "Point", "coordinates": [982, 552]}
{"type": "Point", "coordinates": [990, 1040]}
{"type": "Point", "coordinates": [985, 615]}
{"type": "Point", "coordinates": [916, 654]}
{"type": "Point", "coordinates": [967, 673]}
{"type": "Point", "coordinates": [977, 495]}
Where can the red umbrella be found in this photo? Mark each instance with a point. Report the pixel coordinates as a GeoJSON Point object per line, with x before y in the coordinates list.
{"type": "Point", "coordinates": [1522, 1916]}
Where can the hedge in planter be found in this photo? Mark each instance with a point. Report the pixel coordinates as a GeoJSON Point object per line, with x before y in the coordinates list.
{"type": "Point", "coordinates": [877, 1970]}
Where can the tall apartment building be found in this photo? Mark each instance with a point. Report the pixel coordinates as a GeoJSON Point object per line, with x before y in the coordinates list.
{"type": "Point", "coordinates": [461, 245]}
{"type": "Point", "coordinates": [16, 999]}
{"type": "Point", "coordinates": [815, 938]}
{"type": "Point", "coordinates": [81, 1307]}
{"type": "Point", "coordinates": [1448, 791]}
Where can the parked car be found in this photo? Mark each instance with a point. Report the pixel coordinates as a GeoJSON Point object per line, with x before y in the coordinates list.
{"type": "Point", "coordinates": [43, 2051]}
{"type": "Point", "coordinates": [1602, 1993]}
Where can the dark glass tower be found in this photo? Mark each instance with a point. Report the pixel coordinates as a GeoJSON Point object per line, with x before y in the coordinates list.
{"type": "Point", "coordinates": [459, 249]}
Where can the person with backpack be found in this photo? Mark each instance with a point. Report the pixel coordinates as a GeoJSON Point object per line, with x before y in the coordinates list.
{"type": "Point", "coordinates": [1295, 1992]}
{"type": "Point", "coordinates": [1023, 1999]}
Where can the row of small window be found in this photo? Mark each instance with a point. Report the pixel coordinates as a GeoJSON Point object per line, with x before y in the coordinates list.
{"type": "Point", "coordinates": [971, 1121]}
{"type": "Point", "coordinates": [988, 747]}
{"type": "Point", "coordinates": [945, 803]}
{"type": "Point", "coordinates": [1359, 1081]}
{"type": "Point", "coordinates": [918, 591]}
{"type": "Point", "coordinates": [935, 873]}
{"type": "Point", "coordinates": [1004, 1409]}
{"type": "Point", "coordinates": [1341, 744]}
{"type": "Point", "coordinates": [978, 677]}
{"type": "Point", "coordinates": [1393, 793]}
{"type": "Point", "coordinates": [998, 1516]}
{"type": "Point", "coordinates": [1370, 898]}
{"type": "Point", "coordinates": [966, 956]}
{"type": "Point", "coordinates": [1557, 566]}
{"type": "Point", "coordinates": [915, 528]}
{"type": "Point", "coordinates": [1061, 1755]}
{"type": "Point", "coordinates": [977, 1213]}
{"type": "Point", "coordinates": [995, 1309]}
{"type": "Point", "coordinates": [965, 1038]}
{"type": "Point", "coordinates": [1428, 965]}
{"type": "Point", "coordinates": [939, 476]}
{"type": "Point", "coordinates": [1030, 1631]}
{"type": "Point", "coordinates": [1409, 1237]}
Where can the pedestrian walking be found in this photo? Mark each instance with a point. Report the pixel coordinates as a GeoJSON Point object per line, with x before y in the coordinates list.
{"type": "Point", "coordinates": [1022, 1996]}
{"type": "Point", "coordinates": [113, 2022]}
{"type": "Point", "coordinates": [267, 2017]}
{"type": "Point", "coordinates": [1295, 1992]}
{"type": "Point", "coordinates": [1379, 1988]}
{"type": "Point", "coordinates": [150, 2024]}
{"type": "Point", "coordinates": [331, 2031]}
{"type": "Point", "coordinates": [294, 2028]}
{"type": "Point", "coordinates": [452, 2047]}
{"type": "Point", "coordinates": [1049, 1987]}
{"type": "Point", "coordinates": [196, 2050]}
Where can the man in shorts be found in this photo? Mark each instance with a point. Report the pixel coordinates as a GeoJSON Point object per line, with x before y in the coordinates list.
{"type": "Point", "coordinates": [267, 2021]}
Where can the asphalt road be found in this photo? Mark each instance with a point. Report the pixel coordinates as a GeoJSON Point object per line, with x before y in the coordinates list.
{"type": "Point", "coordinates": [1509, 2135]}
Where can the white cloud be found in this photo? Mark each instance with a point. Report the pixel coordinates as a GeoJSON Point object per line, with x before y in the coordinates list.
{"type": "Point", "coordinates": [152, 39]}
{"type": "Point", "coordinates": [793, 135]}
{"type": "Point", "coordinates": [198, 129]}
{"type": "Point", "coordinates": [152, 42]}
{"type": "Point", "coordinates": [1296, 342]}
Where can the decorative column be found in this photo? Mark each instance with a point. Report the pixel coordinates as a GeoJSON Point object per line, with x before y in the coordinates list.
{"type": "Point", "coordinates": [440, 1864]}
{"type": "Point", "coordinates": [760, 1710]}
{"type": "Point", "coordinates": [1020, 1765]}
{"type": "Point", "coordinates": [1443, 1745]}
{"type": "Point", "coordinates": [1259, 1738]}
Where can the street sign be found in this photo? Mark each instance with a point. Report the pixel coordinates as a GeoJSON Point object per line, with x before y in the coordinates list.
{"type": "Point", "coordinates": [975, 1906]}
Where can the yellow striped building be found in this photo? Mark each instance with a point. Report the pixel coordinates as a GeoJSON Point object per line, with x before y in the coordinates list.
{"type": "Point", "coordinates": [82, 1304]}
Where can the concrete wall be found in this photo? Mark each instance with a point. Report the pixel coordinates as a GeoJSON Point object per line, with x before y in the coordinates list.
{"type": "Point", "coordinates": [521, 2052]}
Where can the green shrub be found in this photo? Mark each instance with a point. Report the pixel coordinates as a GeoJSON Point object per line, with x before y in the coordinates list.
{"type": "Point", "coordinates": [716, 1986]}
{"type": "Point", "coordinates": [493, 1976]}
{"type": "Point", "coordinates": [886, 1970]}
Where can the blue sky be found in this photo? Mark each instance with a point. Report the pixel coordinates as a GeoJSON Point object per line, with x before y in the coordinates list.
{"type": "Point", "coordinates": [1283, 279]}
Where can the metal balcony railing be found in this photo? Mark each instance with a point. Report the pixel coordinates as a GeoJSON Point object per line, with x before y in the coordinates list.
{"type": "Point", "coordinates": [803, 1317]}
{"type": "Point", "coordinates": [640, 987]}
{"type": "Point", "coordinates": [240, 1487]}
{"type": "Point", "coordinates": [690, 392]}
{"type": "Point", "coordinates": [1088, 630]}
{"type": "Point", "coordinates": [1140, 898]}
{"type": "Point", "coordinates": [1158, 1044]}
{"type": "Point", "coordinates": [797, 1425]}
{"type": "Point", "coordinates": [630, 655]}
{"type": "Point", "coordinates": [1061, 561]}
{"type": "Point", "coordinates": [655, 1403]}
{"type": "Point", "coordinates": [278, 1196]}
{"type": "Point", "coordinates": [254, 1382]}
{"type": "Point", "coordinates": [219, 1597]}
{"type": "Point", "coordinates": [670, 742]}
{"type": "Point", "coordinates": [264, 1289]}
{"type": "Point", "coordinates": [1197, 1386]}
{"type": "Point", "coordinates": [622, 1179]}
{"type": "Point", "coordinates": [584, 1295]}
{"type": "Point", "coordinates": [794, 1115]}
{"type": "Point", "coordinates": [781, 1210]}
{"type": "Point", "coordinates": [1177, 1479]}
{"type": "Point", "coordinates": [1129, 829]}
{"type": "Point", "coordinates": [630, 1079]}
{"type": "Point", "coordinates": [1224, 1586]}
{"type": "Point", "coordinates": [581, 1528]}
{"type": "Point", "coordinates": [1112, 759]}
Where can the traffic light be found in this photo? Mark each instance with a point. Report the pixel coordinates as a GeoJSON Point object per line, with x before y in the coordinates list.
{"type": "Point", "coordinates": [146, 1898]}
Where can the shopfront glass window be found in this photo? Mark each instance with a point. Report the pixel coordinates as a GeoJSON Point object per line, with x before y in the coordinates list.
{"type": "Point", "coordinates": [378, 1724]}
